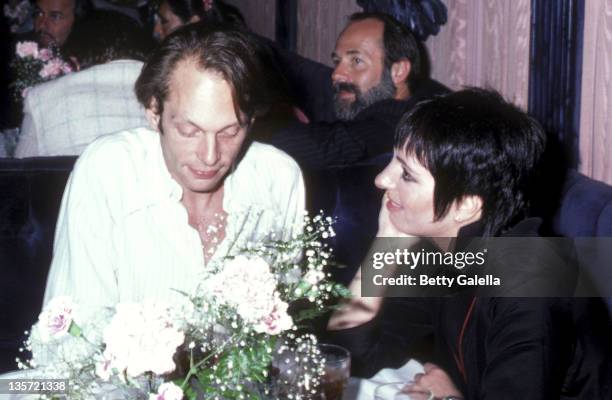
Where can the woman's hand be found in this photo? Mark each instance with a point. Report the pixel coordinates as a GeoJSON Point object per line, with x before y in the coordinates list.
{"type": "Point", "coordinates": [357, 310]}
{"type": "Point", "coordinates": [385, 226]}
{"type": "Point", "coordinates": [436, 381]}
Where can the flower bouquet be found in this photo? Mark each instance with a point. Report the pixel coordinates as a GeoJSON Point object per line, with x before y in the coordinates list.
{"type": "Point", "coordinates": [238, 336]}
{"type": "Point", "coordinates": [32, 66]}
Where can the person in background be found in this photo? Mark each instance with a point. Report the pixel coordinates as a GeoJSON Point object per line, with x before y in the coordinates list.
{"type": "Point", "coordinates": [461, 168]}
{"type": "Point", "coordinates": [173, 14]}
{"type": "Point", "coordinates": [53, 23]}
{"type": "Point", "coordinates": [61, 117]}
{"type": "Point", "coordinates": [54, 20]}
{"type": "Point", "coordinates": [107, 35]}
{"type": "Point", "coordinates": [376, 77]}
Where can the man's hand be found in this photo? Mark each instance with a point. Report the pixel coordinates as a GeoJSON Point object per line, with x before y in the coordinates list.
{"type": "Point", "coordinates": [436, 381]}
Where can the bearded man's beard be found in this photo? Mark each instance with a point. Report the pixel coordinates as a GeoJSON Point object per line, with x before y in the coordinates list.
{"type": "Point", "coordinates": [347, 110]}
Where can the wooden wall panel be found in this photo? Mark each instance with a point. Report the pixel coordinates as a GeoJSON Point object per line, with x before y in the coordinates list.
{"type": "Point", "coordinates": [484, 43]}
{"type": "Point", "coordinates": [320, 23]}
{"type": "Point", "coordinates": [260, 15]}
{"type": "Point", "coordinates": [596, 99]}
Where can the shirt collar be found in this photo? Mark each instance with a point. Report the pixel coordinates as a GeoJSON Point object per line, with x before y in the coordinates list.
{"type": "Point", "coordinates": [159, 183]}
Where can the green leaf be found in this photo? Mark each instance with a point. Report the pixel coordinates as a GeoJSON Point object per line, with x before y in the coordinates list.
{"type": "Point", "coordinates": [341, 291]}
{"type": "Point", "coordinates": [75, 330]}
{"type": "Point", "coordinates": [308, 314]}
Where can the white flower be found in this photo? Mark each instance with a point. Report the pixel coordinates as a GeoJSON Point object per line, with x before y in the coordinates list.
{"type": "Point", "coordinates": [55, 320]}
{"type": "Point", "coordinates": [313, 277]}
{"type": "Point", "coordinates": [248, 285]}
{"type": "Point", "coordinates": [167, 391]}
{"type": "Point", "coordinates": [292, 275]}
{"type": "Point", "coordinates": [141, 338]}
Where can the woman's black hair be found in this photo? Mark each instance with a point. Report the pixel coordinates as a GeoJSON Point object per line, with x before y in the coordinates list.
{"type": "Point", "coordinates": [473, 142]}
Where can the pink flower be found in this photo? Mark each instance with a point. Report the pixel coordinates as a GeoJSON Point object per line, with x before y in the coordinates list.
{"type": "Point", "coordinates": [167, 391]}
{"type": "Point", "coordinates": [45, 54]}
{"type": "Point", "coordinates": [55, 320]}
{"type": "Point", "coordinates": [27, 49]}
{"type": "Point", "coordinates": [258, 304]}
{"type": "Point", "coordinates": [24, 92]}
{"type": "Point", "coordinates": [52, 68]}
{"type": "Point", "coordinates": [66, 68]}
{"type": "Point", "coordinates": [277, 321]}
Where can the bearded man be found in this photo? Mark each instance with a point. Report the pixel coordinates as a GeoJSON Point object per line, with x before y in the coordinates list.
{"type": "Point", "coordinates": [54, 20]}
{"type": "Point", "coordinates": [377, 77]}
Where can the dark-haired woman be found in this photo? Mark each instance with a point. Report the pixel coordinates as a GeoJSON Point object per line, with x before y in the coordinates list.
{"type": "Point", "coordinates": [461, 167]}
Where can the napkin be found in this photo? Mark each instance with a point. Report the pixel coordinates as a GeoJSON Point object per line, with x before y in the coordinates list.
{"type": "Point", "coordinates": [363, 389]}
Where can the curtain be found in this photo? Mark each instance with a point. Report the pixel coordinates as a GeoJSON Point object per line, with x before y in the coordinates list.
{"type": "Point", "coordinates": [259, 15]}
{"type": "Point", "coordinates": [320, 23]}
{"type": "Point", "coordinates": [555, 70]}
{"type": "Point", "coordinates": [484, 43]}
{"type": "Point", "coordinates": [596, 99]}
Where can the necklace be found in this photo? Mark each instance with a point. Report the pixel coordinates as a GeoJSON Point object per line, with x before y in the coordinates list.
{"type": "Point", "coordinates": [212, 233]}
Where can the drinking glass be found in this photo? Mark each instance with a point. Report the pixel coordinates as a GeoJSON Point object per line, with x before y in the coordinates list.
{"type": "Point", "coordinates": [398, 391]}
{"type": "Point", "coordinates": [337, 364]}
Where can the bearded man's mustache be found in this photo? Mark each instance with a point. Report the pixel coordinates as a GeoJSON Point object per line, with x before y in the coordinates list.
{"type": "Point", "coordinates": [48, 36]}
{"type": "Point", "coordinates": [345, 87]}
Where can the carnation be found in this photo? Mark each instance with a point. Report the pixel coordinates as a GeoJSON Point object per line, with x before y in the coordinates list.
{"type": "Point", "coordinates": [32, 66]}
{"type": "Point", "coordinates": [277, 321]}
{"type": "Point", "coordinates": [52, 68]}
{"type": "Point", "coordinates": [55, 320]}
{"type": "Point", "coordinates": [45, 54]}
{"type": "Point", "coordinates": [248, 284]}
{"type": "Point", "coordinates": [141, 338]}
{"type": "Point", "coordinates": [27, 49]}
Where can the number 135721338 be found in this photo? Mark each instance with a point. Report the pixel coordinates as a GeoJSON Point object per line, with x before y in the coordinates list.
{"type": "Point", "coordinates": [33, 386]}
